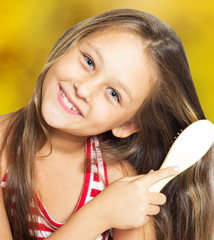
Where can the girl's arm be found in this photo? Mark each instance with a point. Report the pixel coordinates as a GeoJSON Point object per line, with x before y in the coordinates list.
{"type": "Point", "coordinates": [124, 204]}
{"type": "Point", "coordinates": [86, 223]}
{"type": "Point", "coordinates": [5, 232]}
{"type": "Point", "coordinates": [83, 225]}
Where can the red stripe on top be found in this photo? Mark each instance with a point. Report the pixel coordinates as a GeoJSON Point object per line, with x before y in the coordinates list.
{"type": "Point", "coordinates": [94, 192]}
{"type": "Point", "coordinates": [40, 226]}
{"type": "Point", "coordinates": [105, 173]}
{"type": "Point", "coordinates": [46, 214]}
{"type": "Point", "coordinates": [96, 177]}
{"type": "Point", "coordinates": [105, 167]}
{"type": "Point", "coordinates": [87, 177]}
{"type": "Point", "coordinates": [5, 178]}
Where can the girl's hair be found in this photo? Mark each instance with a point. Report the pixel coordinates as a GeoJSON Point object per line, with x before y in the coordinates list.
{"type": "Point", "coordinates": [170, 107]}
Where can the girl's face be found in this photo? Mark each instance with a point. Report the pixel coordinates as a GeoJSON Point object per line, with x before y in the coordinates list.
{"type": "Point", "coordinates": [98, 85]}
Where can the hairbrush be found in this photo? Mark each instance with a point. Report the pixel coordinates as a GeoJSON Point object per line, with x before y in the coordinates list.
{"type": "Point", "coordinates": [188, 148]}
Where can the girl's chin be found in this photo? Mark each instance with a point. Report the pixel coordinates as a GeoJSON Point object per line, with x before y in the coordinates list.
{"type": "Point", "coordinates": [52, 119]}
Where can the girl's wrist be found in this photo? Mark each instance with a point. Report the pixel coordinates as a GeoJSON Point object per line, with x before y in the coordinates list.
{"type": "Point", "coordinates": [98, 210]}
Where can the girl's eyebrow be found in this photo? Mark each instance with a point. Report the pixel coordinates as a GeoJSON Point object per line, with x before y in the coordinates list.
{"type": "Point", "coordinates": [96, 50]}
{"type": "Point", "coordinates": [125, 89]}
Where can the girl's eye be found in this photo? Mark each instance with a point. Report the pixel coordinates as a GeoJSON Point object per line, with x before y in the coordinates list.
{"type": "Point", "coordinates": [114, 94]}
{"type": "Point", "coordinates": [89, 62]}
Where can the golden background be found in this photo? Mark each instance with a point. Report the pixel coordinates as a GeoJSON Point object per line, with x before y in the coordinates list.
{"type": "Point", "coordinates": [29, 29]}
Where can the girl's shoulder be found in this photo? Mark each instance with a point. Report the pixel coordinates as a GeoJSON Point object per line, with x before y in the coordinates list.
{"type": "Point", "coordinates": [119, 169]}
{"type": "Point", "coordinates": [4, 121]}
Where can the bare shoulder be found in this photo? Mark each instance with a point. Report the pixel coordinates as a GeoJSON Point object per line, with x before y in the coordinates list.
{"type": "Point", "coordinates": [4, 121]}
{"type": "Point", "coordinates": [119, 169]}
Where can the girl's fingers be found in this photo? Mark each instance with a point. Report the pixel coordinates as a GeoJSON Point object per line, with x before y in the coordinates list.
{"type": "Point", "coordinates": [157, 198]}
{"type": "Point", "coordinates": [153, 210]}
{"type": "Point", "coordinates": [152, 177]}
{"type": "Point", "coordinates": [156, 176]}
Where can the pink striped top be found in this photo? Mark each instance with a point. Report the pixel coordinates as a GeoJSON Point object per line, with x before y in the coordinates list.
{"type": "Point", "coordinates": [95, 181]}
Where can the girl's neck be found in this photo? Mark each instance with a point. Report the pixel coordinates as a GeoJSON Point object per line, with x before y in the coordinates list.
{"type": "Point", "coordinates": [63, 143]}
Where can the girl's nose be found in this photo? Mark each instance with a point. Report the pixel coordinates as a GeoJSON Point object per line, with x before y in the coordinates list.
{"type": "Point", "coordinates": [84, 90]}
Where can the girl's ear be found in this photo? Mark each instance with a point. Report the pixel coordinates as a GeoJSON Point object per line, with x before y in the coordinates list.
{"type": "Point", "coordinates": [125, 130]}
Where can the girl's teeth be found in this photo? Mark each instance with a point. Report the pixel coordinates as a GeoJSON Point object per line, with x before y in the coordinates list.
{"type": "Point", "coordinates": [67, 103]}
{"type": "Point", "coordinates": [66, 100]}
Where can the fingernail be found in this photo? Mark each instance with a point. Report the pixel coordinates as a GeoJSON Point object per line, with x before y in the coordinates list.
{"type": "Point", "coordinates": [176, 169]}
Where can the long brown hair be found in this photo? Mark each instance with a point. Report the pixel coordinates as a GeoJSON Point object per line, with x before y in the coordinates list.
{"type": "Point", "coordinates": [171, 106]}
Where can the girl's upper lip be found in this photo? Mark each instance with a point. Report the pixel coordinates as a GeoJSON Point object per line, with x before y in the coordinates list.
{"type": "Point", "coordinates": [70, 99]}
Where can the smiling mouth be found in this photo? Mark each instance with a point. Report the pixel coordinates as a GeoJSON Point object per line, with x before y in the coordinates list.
{"type": "Point", "coordinates": [68, 103]}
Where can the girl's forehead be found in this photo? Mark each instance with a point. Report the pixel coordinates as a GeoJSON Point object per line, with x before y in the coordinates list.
{"type": "Point", "coordinates": [115, 41]}
{"type": "Point", "coordinates": [110, 32]}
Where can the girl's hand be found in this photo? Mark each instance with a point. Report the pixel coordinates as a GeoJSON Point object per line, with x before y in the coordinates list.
{"type": "Point", "coordinates": [127, 202]}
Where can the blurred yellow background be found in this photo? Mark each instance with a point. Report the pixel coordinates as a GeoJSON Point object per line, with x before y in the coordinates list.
{"type": "Point", "coordinates": [29, 29]}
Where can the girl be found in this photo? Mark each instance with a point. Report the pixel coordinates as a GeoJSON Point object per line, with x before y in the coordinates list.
{"type": "Point", "coordinates": [115, 87]}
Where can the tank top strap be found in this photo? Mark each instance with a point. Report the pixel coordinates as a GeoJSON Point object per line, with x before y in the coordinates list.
{"type": "Point", "coordinates": [98, 164]}
{"type": "Point", "coordinates": [95, 173]}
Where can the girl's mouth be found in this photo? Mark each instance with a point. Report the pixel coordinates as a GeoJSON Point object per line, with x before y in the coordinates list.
{"type": "Point", "coordinates": [67, 104]}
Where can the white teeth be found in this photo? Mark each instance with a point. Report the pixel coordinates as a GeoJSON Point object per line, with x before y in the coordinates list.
{"type": "Point", "coordinates": [67, 103]}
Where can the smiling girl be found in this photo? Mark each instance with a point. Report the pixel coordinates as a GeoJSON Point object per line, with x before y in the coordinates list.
{"type": "Point", "coordinates": [112, 96]}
